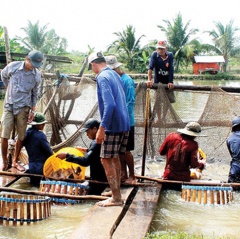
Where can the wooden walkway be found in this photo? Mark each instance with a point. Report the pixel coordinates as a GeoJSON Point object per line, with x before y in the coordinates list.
{"type": "Point", "coordinates": [132, 220]}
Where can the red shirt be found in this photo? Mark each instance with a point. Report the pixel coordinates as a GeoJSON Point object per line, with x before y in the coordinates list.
{"type": "Point", "coordinates": [181, 152]}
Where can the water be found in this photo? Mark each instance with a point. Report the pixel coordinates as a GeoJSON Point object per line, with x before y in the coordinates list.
{"type": "Point", "coordinates": [173, 214]}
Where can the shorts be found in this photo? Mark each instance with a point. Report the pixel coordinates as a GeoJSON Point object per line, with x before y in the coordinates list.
{"type": "Point", "coordinates": [130, 144]}
{"type": "Point", "coordinates": [19, 120]}
{"type": "Point", "coordinates": [114, 144]}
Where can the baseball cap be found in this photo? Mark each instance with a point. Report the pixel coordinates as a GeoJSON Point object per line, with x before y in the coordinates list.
{"type": "Point", "coordinates": [90, 124]}
{"type": "Point", "coordinates": [162, 44]}
{"type": "Point", "coordinates": [94, 56]}
{"type": "Point", "coordinates": [36, 58]}
{"type": "Point", "coordinates": [38, 119]}
{"type": "Point", "coordinates": [112, 62]}
{"type": "Point", "coordinates": [235, 122]}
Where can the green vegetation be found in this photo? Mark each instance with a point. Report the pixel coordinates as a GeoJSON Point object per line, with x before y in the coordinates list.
{"type": "Point", "coordinates": [181, 235]}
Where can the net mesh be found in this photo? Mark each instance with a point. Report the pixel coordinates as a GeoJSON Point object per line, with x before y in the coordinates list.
{"type": "Point", "coordinates": [213, 110]}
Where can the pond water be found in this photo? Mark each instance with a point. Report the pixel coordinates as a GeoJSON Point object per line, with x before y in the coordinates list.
{"type": "Point", "coordinates": [173, 214]}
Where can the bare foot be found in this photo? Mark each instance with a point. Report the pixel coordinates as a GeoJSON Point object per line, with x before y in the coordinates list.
{"type": "Point", "coordinates": [107, 194]}
{"type": "Point", "coordinates": [131, 180]}
{"type": "Point", "coordinates": [4, 167]}
{"type": "Point", "coordinates": [19, 167]}
{"type": "Point", "coordinates": [109, 202]}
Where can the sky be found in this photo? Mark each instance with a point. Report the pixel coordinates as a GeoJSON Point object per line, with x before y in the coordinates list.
{"type": "Point", "coordinates": [93, 22]}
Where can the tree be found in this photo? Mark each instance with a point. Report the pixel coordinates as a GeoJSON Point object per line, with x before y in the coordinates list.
{"type": "Point", "coordinates": [178, 38]}
{"type": "Point", "coordinates": [127, 46]}
{"type": "Point", "coordinates": [38, 38]}
{"type": "Point", "coordinates": [225, 41]}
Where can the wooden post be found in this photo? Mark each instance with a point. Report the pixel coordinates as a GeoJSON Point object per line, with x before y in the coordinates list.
{"type": "Point", "coordinates": [21, 212]}
{"type": "Point", "coordinates": [200, 196]}
{"type": "Point", "coordinates": [218, 197]}
{"type": "Point", "coordinates": [145, 131]}
{"type": "Point", "coordinates": [188, 195]}
{"type": "Point", "coordinates": [205, 196]}
{"type": "Point", "coordinates": [15, 210]}
{"type": "Point", "coordinates": [194, 195]}
{"type": "Point", "coordinates": [223, 196]}
{"type": "Point", "coordinates": [7, 45]}
{"type": "Point", "coordinates": [211, 196]}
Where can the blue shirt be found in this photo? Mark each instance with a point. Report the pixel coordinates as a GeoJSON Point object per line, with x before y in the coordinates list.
{"type": "Point", "coordinates": [233, 144]}
{"type": "Point", "coordinates": [129, 88]}
{"type": "Point", "coordinates": [38, 149]}
{"type": "Point", "coordinates": [163, 69]}
{"type": "Point", "coordinates": [22, 86]}
{"type": "Point", "coordinates": [112, 102]}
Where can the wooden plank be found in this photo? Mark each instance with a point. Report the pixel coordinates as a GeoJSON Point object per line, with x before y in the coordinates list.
{"type": "Point", "coordinates": [99, 221]}
{"type": "Point", "coordinates": [138, 218]}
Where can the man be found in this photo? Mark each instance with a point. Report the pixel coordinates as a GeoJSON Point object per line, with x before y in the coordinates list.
{"type": "Point", "coordinates": [161, 62]}
{"type": "Point", "coordinates": [115, 124]}
{"type": "Point", "coordinates": [181, 151]}
{"type": "Point", "coordinates": [233, 145]}
{"type": "Point", "coordinates": [129, 88]}
{"type": "Point", "coordinates": [22, 80]}
{"type": "Point", "coordinates": [91, 157]}
{"type": "Point", "coordinates": [37, 146]}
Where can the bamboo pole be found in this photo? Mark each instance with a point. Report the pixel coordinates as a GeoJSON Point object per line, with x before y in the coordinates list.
{"type": "Point", "coordinates": [145, 131]}
{"type": "Point", "coordinates": [56, 195]}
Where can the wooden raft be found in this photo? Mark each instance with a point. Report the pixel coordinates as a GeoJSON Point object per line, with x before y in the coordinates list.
{"type": "Point", "coordinates": [127, 221]}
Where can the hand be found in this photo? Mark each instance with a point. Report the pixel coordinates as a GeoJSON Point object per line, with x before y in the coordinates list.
{"type": "Point", "coordinates": [170, 86]}
{"type": "Point", "coordinates": [30, 117]}
{"type": "Point", "coordinates": [149, 83]}
{"type": "Point", "coordinates": [61, 155]}
{"type": "Point", "coordinates": [100, 136]}
{"type": "Point", "coordinates": [83, 150]}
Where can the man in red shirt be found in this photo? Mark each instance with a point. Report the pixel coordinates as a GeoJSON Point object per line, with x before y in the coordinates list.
{"type": "Point", "coordinates": [181, 152]}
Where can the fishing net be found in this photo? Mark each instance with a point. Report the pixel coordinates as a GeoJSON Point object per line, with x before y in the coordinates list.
{"type": "Point", "coordinates": [155, 117]}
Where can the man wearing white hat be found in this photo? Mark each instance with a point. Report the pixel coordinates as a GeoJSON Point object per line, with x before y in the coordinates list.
{"type": "Point", "coordinates": [114, 126]}
{"type": "Point", "coordinates": [181, 153]}
{"type": "Point", "coordinates": [129, 88]}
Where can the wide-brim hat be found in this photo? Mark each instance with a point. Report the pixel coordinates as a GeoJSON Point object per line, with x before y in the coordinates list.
{"type": "Point", "coordinates": [192, 129]}
{"type": "Point", "coordinates": [112, 62]}
{"type": "Point", "coordinates": [38, 119]}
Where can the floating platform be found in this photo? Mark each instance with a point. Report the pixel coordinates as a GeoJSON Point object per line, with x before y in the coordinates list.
{"type": "Point", "coordinates": [132, 220]}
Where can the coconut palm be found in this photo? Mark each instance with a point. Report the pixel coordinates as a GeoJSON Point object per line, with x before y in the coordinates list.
{"type": "Point", "coordinates": [127, 46]}
{"type": "Point", "coordinates": [39, 38]}
{"type": "Point", "coordinates": [178, 37]}
{"type": "Point", "coordinates": [225, 41]}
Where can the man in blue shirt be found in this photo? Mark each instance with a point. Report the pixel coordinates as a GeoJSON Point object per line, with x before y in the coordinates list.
{"type": "Point", "coordinates": [115, 124]}
{"type": "Point", "coordinates": [22, 80]}
{"type": "Point", "coordinates": [233, 145]}
{"type": "Point", "coordinates": [129, 88]}
{"type": "Point", "coordinates": [37, 146]}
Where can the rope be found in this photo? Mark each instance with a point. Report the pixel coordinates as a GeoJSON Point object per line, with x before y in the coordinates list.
{"type": "Point", "coordinates": [205, 188]}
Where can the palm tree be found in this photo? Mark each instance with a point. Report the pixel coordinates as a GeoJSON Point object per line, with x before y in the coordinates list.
{"type": "Point", "coordinates": [178, 38]}
{"type": "Point", "coordinates": [35, 36]}
{"type": "Point", "coordinates": [127, 46]}
{"type": "Point", "coordinates": [224, 40]}
{"type": "Point", "coordinates": [38, 38]}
